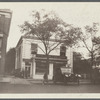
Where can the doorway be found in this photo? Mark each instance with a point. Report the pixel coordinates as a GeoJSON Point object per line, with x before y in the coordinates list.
{"type": "Point", "coordinates": [27, 69]}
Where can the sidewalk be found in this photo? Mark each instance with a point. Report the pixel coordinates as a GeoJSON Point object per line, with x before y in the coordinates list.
{"type": "Point", "coordinates": [16, 80]}
{"type": "Point", "coordinates": [19, 81]}
{"type": "Point", "coordinates": [34, 81]}
{"type": "Point", "coordinates": [13, 80]}
{"type": "Point", "coordinates": [6, 79]}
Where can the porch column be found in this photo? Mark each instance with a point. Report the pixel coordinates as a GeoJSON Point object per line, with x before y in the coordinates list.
{"type": "Point", "coordinates": [31, 70]}
{"type": "Point", "coordinates": [50, 71]}
{"type": "Point", "coordinates": [33, 66]}
{"type": "Point", "coordinates": [16, 62]}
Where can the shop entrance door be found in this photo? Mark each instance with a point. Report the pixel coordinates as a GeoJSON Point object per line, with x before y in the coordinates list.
{"type": "Point", "coordinates": [27, 70]}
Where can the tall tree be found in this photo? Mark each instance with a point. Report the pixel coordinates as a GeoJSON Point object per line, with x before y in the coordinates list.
{"type": "Point", "coordinates": [91, 41]}
{"type": "Point", "coordinates": [10, 61]}
{"type": "Point", "coordinates": [47, 26]}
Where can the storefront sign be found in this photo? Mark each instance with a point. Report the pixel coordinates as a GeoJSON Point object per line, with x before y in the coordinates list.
{"type": "Point", "coordinates": [66, 70]}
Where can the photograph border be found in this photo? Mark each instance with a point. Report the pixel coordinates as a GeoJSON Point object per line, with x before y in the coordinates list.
{"type": "Point", "coordinates": [50, 96]}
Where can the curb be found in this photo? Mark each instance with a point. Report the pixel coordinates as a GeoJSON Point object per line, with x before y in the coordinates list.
{"type": "Point", "coordinates": [37, 81]}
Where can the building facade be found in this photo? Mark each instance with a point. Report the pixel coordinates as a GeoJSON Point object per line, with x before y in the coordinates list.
{"type": "Point", "coordinates": [35, 64]}
{"type": "Point", "coordinates": [5, 19]}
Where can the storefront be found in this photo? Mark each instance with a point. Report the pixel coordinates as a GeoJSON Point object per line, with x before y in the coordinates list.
{"type": "Point", "coordinates": [37, 67]}
{"type": "Point", "coordinates": [33, 60]}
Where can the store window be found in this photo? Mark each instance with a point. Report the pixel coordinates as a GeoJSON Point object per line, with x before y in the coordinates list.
{"type": "Point", "coordinates": [41, 67]}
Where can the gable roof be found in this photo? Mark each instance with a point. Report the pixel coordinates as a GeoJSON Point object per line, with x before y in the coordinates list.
{"type": "Point", "coordinates": [26, 35]}
{"type": "Point", "coordinates": [30, 36]}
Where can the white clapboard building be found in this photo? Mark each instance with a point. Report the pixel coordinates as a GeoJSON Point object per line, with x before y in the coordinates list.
{"type": "Point", "coordinates": [36, 64]}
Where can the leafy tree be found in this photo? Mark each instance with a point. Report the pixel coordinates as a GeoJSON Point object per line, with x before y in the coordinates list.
{"type": "Point", "coordinates": [91, 41]}
{"type": "Point", "coordinates": [47, 26]}
{"type": "Point", "coordinates": [10, 61]}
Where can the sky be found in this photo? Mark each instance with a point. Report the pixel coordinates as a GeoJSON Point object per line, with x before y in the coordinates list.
{"type": "Point", "coordinates": [78, 14]}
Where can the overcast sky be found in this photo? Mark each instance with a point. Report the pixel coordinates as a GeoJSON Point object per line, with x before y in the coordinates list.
{"type": "Point", "coordinates": [79, 14]}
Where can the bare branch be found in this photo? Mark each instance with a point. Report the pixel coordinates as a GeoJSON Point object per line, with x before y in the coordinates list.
{"type": "Point", "coordinates": [54, 47]}
{"type": "Point", "coordinates": [52, 44]}
{"type": "Point", "coordinates": [86, 46]}
{"type": "Point", "coordinates": [41, 49]}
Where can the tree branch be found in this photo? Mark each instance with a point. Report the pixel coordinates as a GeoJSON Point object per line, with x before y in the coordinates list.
{"type": "Point", "coordinates": [97, 48]}
{"type": "Point", "coordinates": [86, 46]}
{"type": "Point", "coordinates": [54, 48]}
{"type": "Point", "coordinates": [41, 49]}
{"type": "Point", "coordinates": [52, 44]}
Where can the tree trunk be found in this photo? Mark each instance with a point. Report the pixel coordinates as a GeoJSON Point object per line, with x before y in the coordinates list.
{"type": "Point", "coordinates": [47, 63]}
{"type": "Point", "coordinates": [92, 63]}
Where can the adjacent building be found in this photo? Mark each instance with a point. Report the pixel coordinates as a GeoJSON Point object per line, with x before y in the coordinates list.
{"type": "Point", "coordinates": [5, 19]}
{"type": "Point", "coordinates": [35, 64]}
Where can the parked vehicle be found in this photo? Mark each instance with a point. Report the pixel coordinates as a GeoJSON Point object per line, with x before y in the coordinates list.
{"type": "Point", "coordinates": [66, 78]}
{"type": "Point", "coordinates": [64, 75]}
{"type": "Point", "coordinates": [72, 78]}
